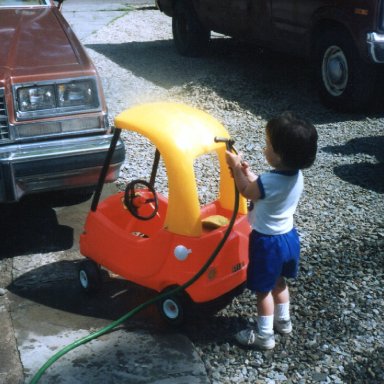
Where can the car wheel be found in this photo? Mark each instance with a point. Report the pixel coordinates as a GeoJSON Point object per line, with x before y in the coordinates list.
{"type": "Point", "coordinates": [345, 82]}
{"type": "Point", "coordinates": [89, 276]}
{"type": "Point", "coordinates": [173, 308]}
{"type": "Point", "coordinates": [190, 37]}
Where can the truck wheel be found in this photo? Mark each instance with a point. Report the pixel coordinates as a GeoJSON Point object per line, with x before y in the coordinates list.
{"type": "Point", "coordinates": [345, 82]}
{"type": "Point", "coordinates": [190, 37]}
{"type": "Point", "coordinates": [89, 276]}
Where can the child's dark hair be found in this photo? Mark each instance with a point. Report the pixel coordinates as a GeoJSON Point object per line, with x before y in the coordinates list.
{"type": "Point", "coordinates": [293, 139]}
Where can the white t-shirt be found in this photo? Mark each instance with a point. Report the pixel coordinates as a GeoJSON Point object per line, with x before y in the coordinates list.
{"type": "Point", "coordinates": [280, 191]}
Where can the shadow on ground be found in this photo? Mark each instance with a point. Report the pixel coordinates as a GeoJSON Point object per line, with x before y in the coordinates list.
{"type": "Point", "coordinates": [286, 80]}
{"type": "Point", "coordinates": [366, 174]}
{"type": "Point", "coordinates": [31, 226]}
{"type": "Point", "coordinates": [55, 285]}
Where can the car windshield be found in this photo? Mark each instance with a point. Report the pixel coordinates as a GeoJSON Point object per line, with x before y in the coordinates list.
{"type": "Point", "coordinates": [22, 3]}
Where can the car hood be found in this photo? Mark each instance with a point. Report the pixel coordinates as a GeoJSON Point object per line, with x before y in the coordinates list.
{"type": "Point", "coordinates": [35, 41]}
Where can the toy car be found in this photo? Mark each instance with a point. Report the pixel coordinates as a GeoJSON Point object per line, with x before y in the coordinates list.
{"type": "Point", "coordinates": [161, 242]}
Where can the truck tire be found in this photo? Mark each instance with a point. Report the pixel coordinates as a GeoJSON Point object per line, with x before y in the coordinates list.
{"type": "Point", "coordinates": [190, 37]}
{"type": "Point", "coordinates": [344, 80]}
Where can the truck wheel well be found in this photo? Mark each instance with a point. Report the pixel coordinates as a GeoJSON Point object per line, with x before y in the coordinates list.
{"type": "Point", "coordinates": [176, 1]}
{"type": "Point", "coordinates": [325, 26]}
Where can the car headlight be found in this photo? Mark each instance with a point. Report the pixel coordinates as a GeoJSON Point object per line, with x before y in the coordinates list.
{"type": "Point", "coordinates": [76, 93]}
{"type": "Point", "coordinates": [60, 98]}
{"type": "Point", "coordinates": [36, 98]}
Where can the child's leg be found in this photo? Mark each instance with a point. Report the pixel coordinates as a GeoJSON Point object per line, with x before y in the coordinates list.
{"type": "Point", "coordinates": [282, 321]}
{"type": "Point", "coordinates": [280, 292]}
{"type": "Point", "coordinates": [265, 311]}
{"type": "Point", "coordinates": [264, 337]}
{"type": "Point", "coordinates": [265, 303]}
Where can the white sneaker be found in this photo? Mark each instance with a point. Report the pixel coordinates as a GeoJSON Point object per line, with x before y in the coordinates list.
{"type": "Point", "coordinates": [250, 338]}
{"type": "Point", "coordinates": [283, 326]}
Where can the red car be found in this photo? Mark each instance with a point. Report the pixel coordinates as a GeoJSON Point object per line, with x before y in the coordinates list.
{"type": "Point", "coordinates": [54, 131]}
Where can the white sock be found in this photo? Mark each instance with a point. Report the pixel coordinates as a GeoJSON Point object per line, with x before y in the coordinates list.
{"type": "Point", "coordinates": [265, 324]}
{"type": "Point", "coordinates": [282, 311]}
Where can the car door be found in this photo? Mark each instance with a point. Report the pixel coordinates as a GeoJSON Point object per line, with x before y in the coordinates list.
{"type": "Point", "coordinates": [291, 22]}
{"type": "Point", "coordinates": [224, 16]}
{"type": "Point", "coordinates": [250, 19]}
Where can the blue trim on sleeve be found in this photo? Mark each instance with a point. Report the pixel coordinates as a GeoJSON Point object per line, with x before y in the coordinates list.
{"type": "Point", "coordinates": [286, 173]}
{"type": "Point", "coordinates": [261, 187]}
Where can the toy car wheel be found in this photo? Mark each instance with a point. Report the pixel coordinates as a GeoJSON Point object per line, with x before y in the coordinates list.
{"type": "Point", "coordinates": [172, 308]}
{"type": "Point", "coordinates": [89, 276]}
{"type": "Point", "coordinates": [345, 82]}
{"type": "Point", "coordinates": [190, 37]}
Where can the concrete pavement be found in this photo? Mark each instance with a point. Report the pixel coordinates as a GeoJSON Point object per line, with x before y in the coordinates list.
{"type": "Point", "coordinates": [87, 16]}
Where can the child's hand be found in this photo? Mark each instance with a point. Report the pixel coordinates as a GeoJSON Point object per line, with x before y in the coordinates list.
{"type": "Point", "coordinates": [236, 161]}
{"type": "Point", "coordinates": [245, 167]}
{"type": "Point", "coordinates": [233, 160]}
{"type": "Point", "coordinates": [244, 178]}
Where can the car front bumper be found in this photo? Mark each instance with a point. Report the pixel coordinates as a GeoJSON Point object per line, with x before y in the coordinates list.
{"type": "Point", "coordinates": [55, 165]}
{"type": "Point", "coordinates": [376, 46]}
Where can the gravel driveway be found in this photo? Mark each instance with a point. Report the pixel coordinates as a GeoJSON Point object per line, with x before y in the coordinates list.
{"type": "Point", "coordinates": [337, 301]}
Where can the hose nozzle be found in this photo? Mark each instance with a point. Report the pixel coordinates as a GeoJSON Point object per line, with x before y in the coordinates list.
{"type": "Point", "coordinates": [228, 142]}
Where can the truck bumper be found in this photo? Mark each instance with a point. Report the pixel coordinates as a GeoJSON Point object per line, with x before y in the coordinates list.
{"type": "Point", "coordinates": [376, 46]}
{"type": "Point", "coordinates": [57, 165]}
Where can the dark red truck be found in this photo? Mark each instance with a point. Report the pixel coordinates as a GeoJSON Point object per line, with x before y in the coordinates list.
{"type": "Point", "coordinates": [343, 39]}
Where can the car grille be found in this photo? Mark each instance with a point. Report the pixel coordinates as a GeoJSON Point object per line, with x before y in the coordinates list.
{"type": "Point", "coordinates": [4, 126]}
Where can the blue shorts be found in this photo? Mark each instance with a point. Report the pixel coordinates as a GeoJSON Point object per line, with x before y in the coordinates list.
{"type": "Point", "coordinates": [272, 256]}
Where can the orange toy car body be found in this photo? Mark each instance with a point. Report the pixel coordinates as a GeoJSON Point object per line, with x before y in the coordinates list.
{"type": "Point", "coordinates": [171, 247]}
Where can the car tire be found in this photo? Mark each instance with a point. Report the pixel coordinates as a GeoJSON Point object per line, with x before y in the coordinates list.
{"type": "Point", "coordinates": [345, 82]}
{"type": "Point", "coordinates": [189, 35]}
{"type": "Point", "coordinates": [173, 308]}
{"type": "Point", "coordinates": [89, 276]}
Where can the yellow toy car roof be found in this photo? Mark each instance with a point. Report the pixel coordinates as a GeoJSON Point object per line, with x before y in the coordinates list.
{"type": "Point", "coordinates": [181, 134]}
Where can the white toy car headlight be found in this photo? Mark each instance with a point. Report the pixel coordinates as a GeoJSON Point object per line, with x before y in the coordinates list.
{"type": "Point", "coordinates": [181, 253]}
